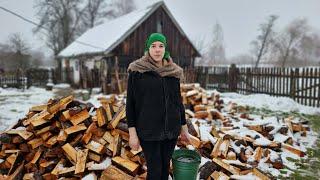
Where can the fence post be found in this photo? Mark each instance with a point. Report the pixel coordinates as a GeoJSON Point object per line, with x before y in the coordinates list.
{"type": "Point", "coordinates": [233, 77]}
{"type": "Point", "coordinates": [292, 84]}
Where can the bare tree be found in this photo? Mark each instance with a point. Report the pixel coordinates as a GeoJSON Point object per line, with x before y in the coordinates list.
{"type": "Point", "coordinates": [19, 56]}
{"type": "Point", "coordinates": [263, 41]}
{"type": "Point", "coordinates": [217, 51]}
{"type": "Point", "coordinates": [286, 43]}
{"type": "Point", "coordinates": [122, 7]}
{"type": "Point", "coordinates": [60, 20]}
{"type": "Point", "coordinates": [18, 44]}
{"type": "Point", "coordinates": [308, 48]}
{"type": "Point", "coordinates": [64, 20]}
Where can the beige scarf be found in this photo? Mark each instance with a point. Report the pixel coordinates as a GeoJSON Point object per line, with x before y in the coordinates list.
{"type": "Point", "coordinates": [146, 63]}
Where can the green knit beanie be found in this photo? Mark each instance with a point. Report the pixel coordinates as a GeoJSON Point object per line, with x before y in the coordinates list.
{"type": "Point", "coordinates": [157, 37]}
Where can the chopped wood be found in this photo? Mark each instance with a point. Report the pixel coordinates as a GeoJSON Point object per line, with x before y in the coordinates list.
{"type": "Point", "coordinates": [46, 135]}
{"type": "Point", "coordinates": [75, 128]}
{"type": "Point", "coordinates": [38, 108]}
{"type": "Point", "coordinates": [113, 173]}
{"type": "Point", "coordinates": [107, 109]}
{"type": "Point", "coordinates": [36, 157]}
{"type": "Point", "coordinates": [108, 137]}
{"type": "Point", "coordinates": [195, 142]}
{"type": "Point", "coordinates": [201, 114]}
{"type": "Point", "coordinates": [293, 149]}
{"type": "Point", "coordinates": [52, 141]}
{"type": "Point", "coordinates": [62, 136]}
{"type": "Point", "coordinates": [60, 105]}
{"type": "Point", "coordinates": [94, 156]}
{"type": "Point", "coordinates": [101, 116]}
{"type": "Point", "coordinates": [18, 173]}
{"type": "Point", "coordinates": [28, 176]}
{"type": "Point", "coordinates": [81, 161]}
{"type": "Point", "coordinates": [258, 154]}
{"type": "Point", "coordinates": [88, 134]}
{"type": "Point", "coordinates": [43, 130]}
{"type": "Point", "coordinates": [260, 175]}
{"type": "Point", "coordinates": [229, 168]}
{"type": "Point", "coordinates": [11, 151]}
{"type": "Point", "coordinates": [70, 152]}
{"type": "Point", "coordinates": [215, 151]}
{"type": "Point", "coordinates": [37, 117]}
{"type": "Point", "coordinates": [35, 142]}
{"type": "Point", "coordinates": [23, 133]}
{"type": "Point", "coordinates": [96, 147]}
{"type": "Point", "coordinates": [219, 175]}
{"type": "Point", "coordinates": [116, 151]}
{"type": "Point", "coordinates": [126, 165]}
{"type": "Point", "coordinates": [117, 117]}
{"type": "Point", "coordinates": [80, 117]}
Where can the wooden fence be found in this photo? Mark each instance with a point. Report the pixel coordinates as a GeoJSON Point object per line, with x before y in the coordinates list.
{"type": "Point", "coordinates": [300, 84]}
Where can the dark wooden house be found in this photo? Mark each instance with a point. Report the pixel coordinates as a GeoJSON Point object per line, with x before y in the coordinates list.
{"type": "Point", "coordinates": [122, 40]}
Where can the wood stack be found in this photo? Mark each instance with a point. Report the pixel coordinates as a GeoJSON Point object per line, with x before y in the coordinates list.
{"type": "Point", "coordinates": [69, 138]}
{"type": "Point", "coordinates": [233, 150]}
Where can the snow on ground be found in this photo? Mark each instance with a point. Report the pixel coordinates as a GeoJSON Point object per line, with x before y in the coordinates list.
{"type": "Point", "coordinates": [15, 103]}
{"type": "Point", "coordinates": [283, 104]}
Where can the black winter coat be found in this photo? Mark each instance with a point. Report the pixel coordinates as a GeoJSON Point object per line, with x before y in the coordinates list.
{"type": "Point", "coordinates": [154, 106]}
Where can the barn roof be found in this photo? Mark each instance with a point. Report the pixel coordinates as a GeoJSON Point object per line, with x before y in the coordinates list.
{"type": "Point", "coordinates": [105, 37]}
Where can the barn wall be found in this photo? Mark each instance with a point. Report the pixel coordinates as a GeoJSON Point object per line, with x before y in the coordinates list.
{"type": "Point", "coordinates": [133, 46]}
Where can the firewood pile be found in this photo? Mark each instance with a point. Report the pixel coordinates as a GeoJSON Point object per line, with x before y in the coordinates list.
{"type": "Point", "coordinates": [72, 139]}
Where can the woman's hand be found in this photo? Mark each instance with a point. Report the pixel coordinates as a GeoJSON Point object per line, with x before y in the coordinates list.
{"type": "Point", "coordinates": [134, 142]}
{"type": "Point", "coordinates": [184, 135]}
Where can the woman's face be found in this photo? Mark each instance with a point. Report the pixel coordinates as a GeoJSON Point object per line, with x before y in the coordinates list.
{"type": "Point", "coordinates": [157, 50]}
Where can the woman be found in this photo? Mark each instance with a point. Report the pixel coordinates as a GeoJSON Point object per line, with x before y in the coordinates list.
{"type": "Point", "coordinates": [154, 109]}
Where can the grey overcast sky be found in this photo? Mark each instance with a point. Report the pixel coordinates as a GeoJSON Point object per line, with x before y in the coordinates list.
{"type": "Point", "coordinates": [239, 19]}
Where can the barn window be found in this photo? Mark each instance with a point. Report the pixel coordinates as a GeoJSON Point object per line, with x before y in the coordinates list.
{"type": "Point", "coordinates": [159, 26]}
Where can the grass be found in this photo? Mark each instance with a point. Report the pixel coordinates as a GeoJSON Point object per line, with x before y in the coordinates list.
{"type": "Point", "coordinates": [308, 169]}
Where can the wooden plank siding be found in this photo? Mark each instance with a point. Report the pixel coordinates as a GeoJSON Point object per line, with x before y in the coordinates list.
{"type": "Point", "coordinates": [132, 47]}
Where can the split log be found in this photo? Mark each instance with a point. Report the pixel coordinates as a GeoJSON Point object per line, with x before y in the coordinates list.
{"type": "Point", "coordinates": [126, 165]}
{"type": "Point", "coordinates": [113, 173]}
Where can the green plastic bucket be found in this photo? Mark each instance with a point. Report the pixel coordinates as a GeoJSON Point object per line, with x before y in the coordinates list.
{"type": "Point", "coordinates": [185, 164]}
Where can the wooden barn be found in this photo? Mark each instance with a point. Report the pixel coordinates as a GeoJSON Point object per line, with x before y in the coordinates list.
{"type": "Point", "coordinates": [120, 41]}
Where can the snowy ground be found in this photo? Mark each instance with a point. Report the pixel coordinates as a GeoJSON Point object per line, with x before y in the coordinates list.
{"type": "Point", "coordinates": [15, 103]}
{"type": "Point", "coordinates": [265, 101]}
